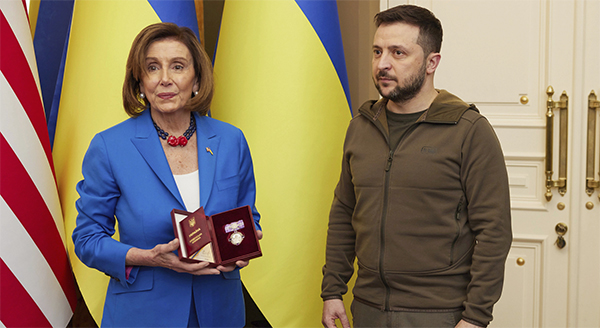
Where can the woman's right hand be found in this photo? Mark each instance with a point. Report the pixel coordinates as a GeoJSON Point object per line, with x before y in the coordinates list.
{"type": "Point", "coordinates": [162, 256]}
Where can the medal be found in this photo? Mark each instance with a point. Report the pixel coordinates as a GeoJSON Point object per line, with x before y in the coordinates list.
{"type": "Point", "coordinates": [235, 237]}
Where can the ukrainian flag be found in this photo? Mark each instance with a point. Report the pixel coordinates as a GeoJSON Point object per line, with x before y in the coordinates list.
{"type": "Point", "coordinates": [280, 76]}
{"type": "Point", "coordinates": [101, 33]}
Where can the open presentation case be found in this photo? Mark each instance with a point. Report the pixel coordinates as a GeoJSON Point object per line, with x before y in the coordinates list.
{"type": "Point", "coordinates": [219, 239]}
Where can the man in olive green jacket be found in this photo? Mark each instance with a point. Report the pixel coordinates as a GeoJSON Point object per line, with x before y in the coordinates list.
{"type": "Point", "coordinates": [423, 198]}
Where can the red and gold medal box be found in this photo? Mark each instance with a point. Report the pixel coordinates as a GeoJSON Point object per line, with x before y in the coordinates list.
{"type": "Point", "coordinates": [220, 239]}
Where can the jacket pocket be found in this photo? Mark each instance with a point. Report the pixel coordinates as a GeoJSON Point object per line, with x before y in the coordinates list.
{"type": "Point", "coordinates": [459, 209]}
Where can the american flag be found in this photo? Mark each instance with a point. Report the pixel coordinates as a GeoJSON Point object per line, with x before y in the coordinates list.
{"type": "Point", "coordinates": [36, 282]}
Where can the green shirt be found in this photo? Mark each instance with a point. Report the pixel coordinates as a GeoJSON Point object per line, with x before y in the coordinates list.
{"type": "Point", "coordinates": [398, 124]}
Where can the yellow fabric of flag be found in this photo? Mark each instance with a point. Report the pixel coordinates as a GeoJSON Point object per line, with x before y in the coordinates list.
{"type": "Point", "coordinates": [276, 81]}
{"type": "Point", "coordinates": [101, 36]}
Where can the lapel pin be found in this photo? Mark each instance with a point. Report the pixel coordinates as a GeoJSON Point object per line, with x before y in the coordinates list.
{"type": "Point", "coordinates": [209, 151]}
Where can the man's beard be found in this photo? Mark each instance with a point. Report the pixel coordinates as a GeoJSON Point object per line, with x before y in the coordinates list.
{"type": "Point", "coordinates": [409, 90]}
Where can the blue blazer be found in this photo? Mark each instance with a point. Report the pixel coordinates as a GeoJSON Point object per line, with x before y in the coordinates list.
{"type": "Point", "coordinates": [127, 180]}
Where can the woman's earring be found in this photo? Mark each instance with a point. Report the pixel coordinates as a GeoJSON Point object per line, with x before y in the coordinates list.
{"type": "Point", "coordinates": [142, 95]}
{"type": "Point", "coordinates": [194, 94]}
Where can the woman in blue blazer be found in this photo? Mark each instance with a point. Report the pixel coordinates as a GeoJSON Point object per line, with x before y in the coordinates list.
{"type": "Point", "coordinates": [136, 172]}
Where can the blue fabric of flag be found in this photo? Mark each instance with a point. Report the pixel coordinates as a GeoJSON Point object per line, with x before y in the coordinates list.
{"type": "Point", "coordinates": [323, 16]}
{"type": "Point", "coordinates": [53, 111]}
{"type": "Point", "coordinates": [181, 12]}
{"type": "Point", "coordinates": [50, 43]}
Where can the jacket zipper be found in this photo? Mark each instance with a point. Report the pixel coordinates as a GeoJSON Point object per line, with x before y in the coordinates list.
{"type": "Point", "coordinates": [382, 232]}
{"type": "Point", "coordinates": [457, 220]}
{"type": "Point", "coordinates": [388, 166]}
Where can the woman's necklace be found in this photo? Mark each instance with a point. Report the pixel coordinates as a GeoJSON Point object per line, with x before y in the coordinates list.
{"type": "Point", "coordinates": [182, 140]}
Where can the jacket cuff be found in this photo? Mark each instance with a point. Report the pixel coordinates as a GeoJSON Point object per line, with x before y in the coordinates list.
{"type": "Point", "coordinates": [114, 264]}
{"type": "Point", "coordinates": [327, 298]}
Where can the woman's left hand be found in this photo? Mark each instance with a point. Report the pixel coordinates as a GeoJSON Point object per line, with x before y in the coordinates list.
{"type": "Point", "coordinates": [239, 264]}
{"type": "Point", "coordinates": [231, 267]}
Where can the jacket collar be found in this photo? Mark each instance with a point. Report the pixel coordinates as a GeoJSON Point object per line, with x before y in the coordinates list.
{"type": "Point", "coordinates": [446, 108]}
{"type": "Point", "coordinates": [149, 146]}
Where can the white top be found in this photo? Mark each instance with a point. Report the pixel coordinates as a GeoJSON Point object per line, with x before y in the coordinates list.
{"type": "Point", "coordinates": [189, 188]}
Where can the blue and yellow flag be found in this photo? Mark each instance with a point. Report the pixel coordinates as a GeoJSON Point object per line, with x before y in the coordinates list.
{"type": "Point", "coordinates": [100, 36]}
{"type": "Point", "coordinates": [50, 44]}
{"type": "Point", "coordinates": [280, 76]}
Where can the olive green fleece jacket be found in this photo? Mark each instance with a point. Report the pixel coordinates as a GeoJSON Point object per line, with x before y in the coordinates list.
{"type": "Point", "coordinates": [429, 222]}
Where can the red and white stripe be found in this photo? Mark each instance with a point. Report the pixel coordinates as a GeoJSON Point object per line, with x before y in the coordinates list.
{"type": "Point", "coordinates": [36, 282]}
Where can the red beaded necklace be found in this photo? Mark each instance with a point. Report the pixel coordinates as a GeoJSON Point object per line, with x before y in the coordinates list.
{"type": "Point", "coordinates": [174, 141]}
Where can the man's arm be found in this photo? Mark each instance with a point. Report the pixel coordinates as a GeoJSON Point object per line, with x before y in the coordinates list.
{"type": "Point", "coordinates": [339, 253]}
{"type": "Point", "coordinates": [485, 182]}
{"type": "Point", "coordinates": [341, 239]}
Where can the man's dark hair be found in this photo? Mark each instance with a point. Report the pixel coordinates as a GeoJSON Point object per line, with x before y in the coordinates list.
{"type": "Point", "coordinates": [430, 28]}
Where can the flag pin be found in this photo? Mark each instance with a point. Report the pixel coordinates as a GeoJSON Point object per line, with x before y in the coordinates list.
{"type": "Point", "coordinates": [209, 151]}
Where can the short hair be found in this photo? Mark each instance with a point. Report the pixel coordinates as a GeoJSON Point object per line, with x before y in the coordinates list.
{"type": "Point", "coordinates": [133, 104]}
{"type": "Point", "coordinates": [430, 28]}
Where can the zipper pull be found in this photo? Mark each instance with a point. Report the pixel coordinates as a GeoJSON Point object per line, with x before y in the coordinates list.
{"type": "Point", "coordinates": [389, 161]}
{"type": "Point", "coordinates": [459, 209]}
